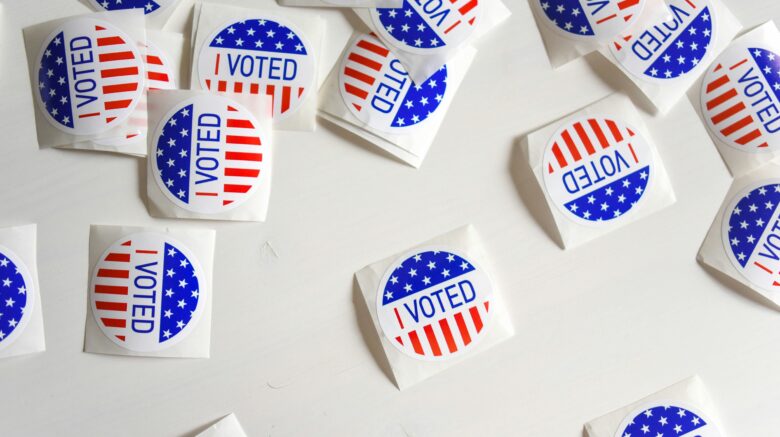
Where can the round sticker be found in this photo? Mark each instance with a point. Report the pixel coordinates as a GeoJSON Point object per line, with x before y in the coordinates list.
{"type": "Point", "coordinates": [148, 292]}
{"type": "Point", "coordinates": [667, 419]}
{"type": "Point", "coordinates": [597, 169]}
{"type": "Point", "coordinates": [379, 92]}
{"type": "Point", "coordinates": [740, 97]}
{"type": "Point", "coordinates": [671, 49]}
{"type": "Point", "coordinates": [159, 76]}
{"type": "Point", "coordinates": [149, 6]}
{"type": "Point", "coordinates": [17, 297]}
{"type": "Point", "coordinates": [434, 303]}
{"type": "Point", "coordinates": [90, 76]}
{"type": "Point", "coordinates": [428, 26]}
{"type": "Point", "coordinates": [208, 154]}
{"type": "Point", "coordinates": [259, 56]}
{"type": "Point", "coordinates": [600, 20]}
{"type": "Point", "coordinates": [751, 234]}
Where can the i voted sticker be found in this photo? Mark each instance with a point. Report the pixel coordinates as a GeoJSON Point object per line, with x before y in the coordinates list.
{"type": "Point", "coordinates": [434, 303]}
{"type": "Point", "coordinates": [428, 26]}
{"type": "Point", "coordinates": [379, 92]}
{"type": "Point", "coordinates": [210, 154]}
{"type": "Point", "coordinates": [159, 76]}
{"type": "Point", "coordinates": [670, 49]}
{"type": "Point", "coordinates": [751, 234]}
{"type": "Point", "coordinates": [667, 419]}
{"type": "Point", "coordinates": [260, 56]}
{"type": "Point", "coordinates": [17, 297]}
{"type": "Point", "coordinates": [148, 292]}
{"type": "Point", "coordinates": [597, 169]}
{"type": "Point", "coordinates": [90, 76]}
{"type": "Point", "coordinates": [590, 19]}
{"type": "Point", "coordinates": [740, 98]}
{"type": "Point", "coordinates": [148, 6]}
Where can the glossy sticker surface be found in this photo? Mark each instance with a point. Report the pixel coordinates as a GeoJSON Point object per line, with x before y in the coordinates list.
{"type": "Point", "coordinates": [588, 19]}
{"type": "Point", "coordinates": [17, 297]}
{"type": "Point", "coordinates": [667, 419]}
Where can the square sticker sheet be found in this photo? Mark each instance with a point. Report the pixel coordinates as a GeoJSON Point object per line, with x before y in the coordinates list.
{"type": "Point", "coordinates": [435, 305]}
{"type": "Point", "coordinates": [740, 100]}
{"type": "Point", "coordinates": [743, 242]}
{"type": "Point", "coordinates": [599, 170]}
{"type": "Point", "coordinates": [571, 29]}
{"type": "Point", "coordinates": [370, 94]}
{"type": "Point", "coordinates": [87, 74]}
{"type": "Point", "coordinates": [228, 426]}
{"type": "Point", "coordinates": [256, 51]}
{"type": "Point", "coordinates": [684, 409]}
{"type": "Point", "coordinates": [424, 36]}
{"type": "Point", "coordinates": [210, 155]}
{"type": "Point", "coordinates": [21, 317]}
{"type": "Point", "coordinates": [664, 59]}
{"type": "Point", "coordinates": [164, 51]}
{"type": "Point", "coordinates": [157, 12]}
{"type": "Point", "coordinates": [149, 292]}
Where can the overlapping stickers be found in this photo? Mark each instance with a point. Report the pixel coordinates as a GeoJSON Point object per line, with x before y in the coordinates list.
{"type": "Point", "coordinates": [599, 170]}
{"type": "Point", "coordinates": [210, 155]}
{"type": "Point", "coordinates": [255, 52]}
{"type": "Point", "coordinates": [150, 292]}
{"type": "Point", "coordinates": [683, 409]}
{"type": "Point", "coordinates": [21, 318]}
{"type": "Point", "coordinates": [743, 242]}
{"type": "Point", "coordinates": [88, 75]}
{"type": "Point", "coordinates": [371, 94]}
{"type": "Point", "coordinates": [434, 305]}
{"type": "Point", "coordinates": [425, 35]}
{"type": "Point", "coordinates": [157, 11]}
{"type": "Point", "coordinates": [665, 58]}
{"type": "Point", "coordinates": [740, 100]}
{"type": "Point", "coordinates": [573, 28]}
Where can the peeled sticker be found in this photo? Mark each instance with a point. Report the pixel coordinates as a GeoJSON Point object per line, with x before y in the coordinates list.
{"type": "Point", "coordinates": [597, 169]}
{"type": "Point", "coordinates": [428, 26]}
{"type": "Point", "coordinates": [379, 92]}
{"type": "Point", "coordinates": [751, 234]}
{"type": "Point", "coordinates": [740, 98]}
{"type": "Point", "coordinates": [260, 56]}
{"type": "Point", "coordinates": [17, 297]}
{"type": "Point", "coordinates": [90, 76]}
{"type": "Point", "coordinates": [670, 49]}
{"type": "Point", "coordinates": [434, 304]}
{"type": "Point", "coordinates": [591, 20]}
{"type": "Point", "coordinates": [145, 293]}
{"type": "Point", "coordinates": [208, 154]}
{"type": "Point", "coordinates": [159, 76]}
{"type": "Point", "coordinates": [149, 6]}
{"type": "Point", "coordinates": [668, 419]}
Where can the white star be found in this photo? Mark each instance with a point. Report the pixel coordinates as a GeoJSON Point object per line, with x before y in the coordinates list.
{"type": "Point", "coordinates": [167, 334]}
{"type": "Point", "coordinates": [10, 302]}
{"type": "Point", "coordinates": [183, 283]}
{"type": "Point", "coordinates": [445, 273]}
{"type": "Point", "coordinates": [181, 304]}
{"type": "Point", "coordinates": [6, 282]}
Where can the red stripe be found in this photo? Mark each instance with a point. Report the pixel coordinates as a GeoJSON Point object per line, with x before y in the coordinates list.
{"type": "Point", "coordinates": [432, 340]}
{"type": "Point", "coordinates": [559, 156]}
{"type": "Point", "coordinates": [242, 172]}
{"type": "Point", "coordinates": [254, 88]}
{"type": "Point", "coordinates": [359, 75]}
{"type": "Point", "coordinates": [749, 137]}
{"type": "Point", "coordinates": [114, 323]}
{"type": "Point", "coordinates": [371, 47]}
{"type": "Point", "coordinates": [691, 4]}
{"type": "Point", "coordinates": [111, 306]}
{"type": "Point", "coordinates": [216, 65]}
{"type": "Point", "coordinates": [717, 83]}
{"type": "Point", "coordinates": [115, 56]}
{"type": "Point", "coordinates": [285, 98]}
{"type": "Point", "coordinates": [584, 138]}
{"type": "Point", "coordinates": [153, 75]}
{"type": "Point", "coordinates": [232, 122]}
{"type": "Point", "coordinates": [240, 139]}
{"type": "Point", "coordinates": [445, 329]}
{"type": "Point", "coordinates": [116, 72]}
{"type": "Point", "coordinates": [416, 342]}
{"type": "Point", "coordinates": [717, 118]}
{"type": "Point", "coordinates": [113, 273]}
{"type": "Point", "coordinates": [269, 91]}
{"type": "Point", "coordinates": [464, 331]}
{"type": "Point", "coordinates": [238, 87]}
{"type": "Point", "coordinates": [91, 114]}
{"type": "Point", "coordinates": [120, 88]}
{"type": "Point", "coordinates": [118, 257]}
{"type": "Point", "coordinates": [398, 317]}
{"type": "Point", "coordinates": [110, 289]}
{"type": "Point", "coordinates": [762, 267]}
{"type": "Point", "coordinates": [110, 41]}
{"type": "Point", "coordinates": [151, 59]}
{"type": "Point", "coordinates": [737, 126]}
{"type": "Point", "coordinates": [735, 66]}
{"type": "Point", "coordinates": [454, 25]}
{"type": "Point", "coordinates": [476, 318]}
{"type": "Point", "coordinates": [575, 154]}
{"type": "Point", "coordinates": [355, 91]}
{"type": "Point", "coordinates": [146, 251]}
{"type": "Point", "coordinates": [625, 4]}
{"type": "Point", "coordinates": [606, 18]}
{"type": "Point", "coordinates": [236, 188]}
{"type": "Point", "coordinates": [615, 131]}
{"type": "Point", "coordinates": [222, 86]}
{"type": "Point", "coordinates": [362, 60]}
{"type": "Point", "coordinates": [467, 7]}
{"type": "Point", "coordinates": [631, 148]}
{"type": "Point", "coordinates": [717, 101]}
{"type": "Point", "coordinates": [201, 193]}
{"type": "Point", "coordinates": [117, 104]}
{"type": "Point", "coordinates": [243, 156]}
{"type": "Point", "coordinates": [599, 133]}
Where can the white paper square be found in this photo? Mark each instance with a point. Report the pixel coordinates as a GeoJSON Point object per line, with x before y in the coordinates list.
{"type": "Point", "coordinates": [409, 370]}
{"type": "Point", "coordinates": [200, 244]}
{"type": "Point", "coordinates": [155, 18]}
{"type": "Point", "coordinates": [18, 247]}
{"type": "Point", "coordinates": [228, 426]}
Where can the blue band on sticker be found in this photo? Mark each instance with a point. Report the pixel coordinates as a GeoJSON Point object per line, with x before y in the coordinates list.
{"type": "Point", "coordinates": [664, 420]}
{"type": "Point", "coordinates": [753, 234]}
{"type": "Point", "coordinates": [148, 6]}
{"type": "Point", "coordinates": [13, 297]}
{"type": "Point", "coordinates": [614, 199]}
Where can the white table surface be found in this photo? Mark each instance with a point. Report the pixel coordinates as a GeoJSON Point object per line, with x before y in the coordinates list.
{"type": "Point", "coordinates": [597, 327]}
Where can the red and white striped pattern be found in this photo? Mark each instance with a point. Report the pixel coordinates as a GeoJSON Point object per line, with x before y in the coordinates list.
{"type": "Point", "coordinates": [447, 335]}
{"type": "Point", "coordinates": [626, 11]}
{"type": "Point", "coordinates": [728, 113]}
{"type": "Point", "coordinates": [363, 65]}
{"type": "Point", "coordinates": [468, 13]}
{"type": "Point", "coordinates": [586, 138]}
{"type": "Point", "coordinates": [111, 289]}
